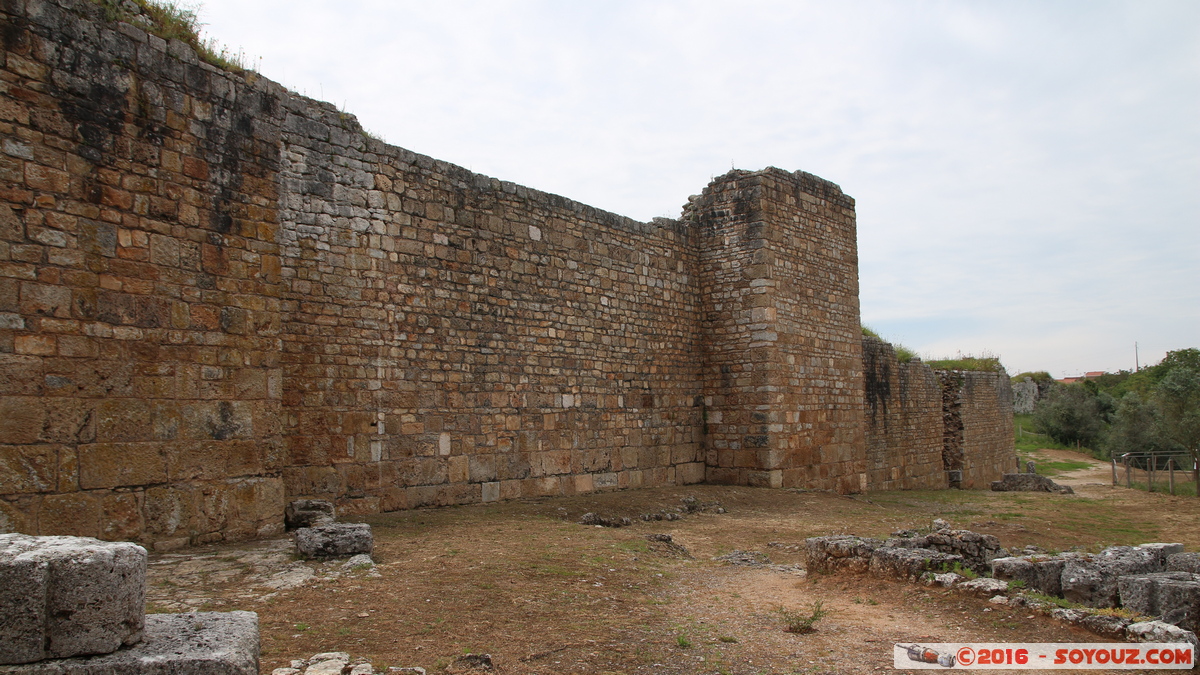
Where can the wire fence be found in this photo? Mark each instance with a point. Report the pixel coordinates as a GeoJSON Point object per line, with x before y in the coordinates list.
{"type": "Point", "coordinates": [1155, 472]}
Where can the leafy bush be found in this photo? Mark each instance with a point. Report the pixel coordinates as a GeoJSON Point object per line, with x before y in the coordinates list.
{"type": "Point", "coordinates": [1069, 414]}
{"type": "Point", "coordinates": [798, 622]}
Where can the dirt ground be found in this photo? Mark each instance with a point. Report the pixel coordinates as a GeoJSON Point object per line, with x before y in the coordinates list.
{"type": "Point", "coordinates": [524, 582]}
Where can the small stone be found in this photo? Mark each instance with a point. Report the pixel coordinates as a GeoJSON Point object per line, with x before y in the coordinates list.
{"type": "Point", "coordinates": [984, 587]}
{"type": "Point", "coordinates": [998, 600]}
{"type": "Point", "coordinates": [307, 513]}
{"type": "Point", "coordinates": [360, 561]}
{"type": "Point", "coordinates": [363, 669]}
{"type": "Point", "coordinates": [326, 667]}
{"type": "Point", "coordinates": [285, 671]}
{"type": "Point", "coordinates": [939, 524]}
{"type": "Point", "coordinates": [334, 540]}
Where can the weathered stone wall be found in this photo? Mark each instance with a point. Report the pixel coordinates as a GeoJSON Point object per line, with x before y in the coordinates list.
{"type": "Point", "coordinates": [783, 360]}
{"type": "Point", "coordinates": [451, 338]}
{"type": "Point", "coordinates": [987, 433]}
{"type": "Point", "coordinates": [903, 421]}
{"type": "Point", "coordinates": [217, 295]}
{"type": "Point", "coordinates": [139, 286]}
{"type": "Point", "coordinates": [977, 425]}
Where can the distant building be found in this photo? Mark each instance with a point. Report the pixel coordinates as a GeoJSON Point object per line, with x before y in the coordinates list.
{"type": "Point", "coordinates": [1090, 375]}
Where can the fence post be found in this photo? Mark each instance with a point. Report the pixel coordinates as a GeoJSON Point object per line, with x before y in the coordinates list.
{"type": "Point", "coordinates": [1128, 476]}
{"type": "Point", "coordinates": [1114, 469]}
{"type": "Point", "coordinates": [1171, 473]}
{"type": "Point", "coordinates": [1150, 473]}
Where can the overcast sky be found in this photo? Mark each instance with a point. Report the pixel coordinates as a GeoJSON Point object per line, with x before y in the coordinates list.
{"type": "Point", "coordinates": [1027, 174]}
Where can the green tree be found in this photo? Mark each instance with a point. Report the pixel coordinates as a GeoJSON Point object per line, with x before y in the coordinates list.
{"type": "Point", "coordinates": [1134, 427]}
{"type": "Point", "coordinates": [1069, 413]}
{"type": "Point", "coordinates": [1178, 396]}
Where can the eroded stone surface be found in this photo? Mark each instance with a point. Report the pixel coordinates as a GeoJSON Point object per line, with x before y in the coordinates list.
{"type": "Point", "coordinates": [1029, 482]}
{"type": "Point", "coordinates": [839, 553]}
{"type": "Point", "coordinates": [1172, 596]}
{"type": "Point", "coordinates": [207, 643]}
{"type": "Point", "coordinates": [1039, 573]}
{"type": "Point", "coordinates": [81, 596]}
{"type": "Point", "coordinates": [977, 550]}
{"type": "Point", "coordinates": [307, 513]}
{"type": "Point", "coordinates": [334, 540]}
{"type": "Point", "coordinates": [1184, 562]}
{"type": "Point", "coordinates": [909, 563]}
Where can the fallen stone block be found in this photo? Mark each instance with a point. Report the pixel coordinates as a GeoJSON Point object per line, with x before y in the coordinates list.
{"type": "Point", "coordinates": [205, 643]}
{"type": "Point", "coordinates": [1029, 482]}
{"type": "Point", "coordinates": [1092, 579]}
{"type": "Point", "coordinates": [1039, 573]}
{"type": "Point", "coordinates": [984, 587]}
{"type": "Point", "coordinates": [1162, 551]}
{"type": "Point", "coordinates": [1106, 625]}
{"type": "Point", "coordinates": [1184, 562]}
{"type": "Point", "coordinates": [334, 540]}
{"type": "Point", "coordinates": [69, 596]}
{"type": "Point", "coordinates": [841, 553]}
{"type": "Point", "coordinates": [1173, 596]}
{"type": "Point", "coordinates": [977, 550]}
{"type": "Point", "coordinates": [307, 513]}
{"type": "Point", "coordinates": [909, 564]}
{"type": "Point", "coordinates": [1158, 631]}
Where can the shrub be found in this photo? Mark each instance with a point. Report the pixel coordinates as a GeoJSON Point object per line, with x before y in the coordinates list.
{"type": "Point", "coordinates": [798, 622]}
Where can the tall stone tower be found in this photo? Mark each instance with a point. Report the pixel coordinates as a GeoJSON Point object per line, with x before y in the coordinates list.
{"type": "Point", "coordinates": [783, 385]}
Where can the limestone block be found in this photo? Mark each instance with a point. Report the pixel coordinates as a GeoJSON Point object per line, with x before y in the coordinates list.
{"type": "Point", "coordinates": [204, 643]}
{"type": "Point", "coordinates": [69, 596]}
{"type": "Point", "coordinates": [984, 587]}
{"type": "Point", "coordinates": [1184, 562]}
{"type": "Point", "coordinates": [1173, 596]}
{"type": "Point", "coordinates": [308, 512]}
{"type": "Point", "coordinates": [1159, 631]}
{"type": "Point", "coordinates": [334, 540]}
{"type": "Point", "coordinates": [1028, 482]}
{"type": "Point", "coordinates": [978, 550]}
{"type": "Point", "coordinates": [909, 563]}
{"type": "Point", "coordinates": [1040, 573]}
{"type": "Point", "coordinates": [839, 553]}
{"type": "Point", "coordinates": [1092, 579]}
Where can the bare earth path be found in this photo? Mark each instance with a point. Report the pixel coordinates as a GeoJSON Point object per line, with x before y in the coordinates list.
{"type": "Point", "coordinates": [526, 583]}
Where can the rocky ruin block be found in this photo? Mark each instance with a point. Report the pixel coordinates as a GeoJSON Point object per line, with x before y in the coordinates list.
{"type": "Point", "coordinates": [1162, 551]}
{"type": "Point", "coordinates": [978, 550]}
{"type": "Point", "coordinates": [839, 553]}
{"type": "Point", "coordinates": [69, 596]}
{"type": "Point", "coordinates": [1173, 596]}
{"type": "Point", "coordinates": [204, 643]}
{"type": "Point", "coordinates": [984, 587]}
{"type": "Point", "coordinates": [307, 513]}
{"type": "Point", "coordinates": [1029, 482]}
{"type": "Point", "coordinates": [1184, 562]}
{"type": "Point", "coordinates": [1092, 579]}
{"type": "Point", "coordinates": [334, 540]}
{"type": "Point", "coordinates": [1039, 573]}
{"type": "Point", "coordinates": [908, 564]}
{"type": "Point", "coordinates": [1159, 631]}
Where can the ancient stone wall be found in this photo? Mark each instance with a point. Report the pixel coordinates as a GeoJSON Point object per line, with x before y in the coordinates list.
{"type": "Point", "coordinates": [217, 295]}
{"type": "Point", "coordinates": [139, 286]}
{"type": "Point", "coordinates": [903, 421]}
{"type": "Point", "coordinates": [987, 427]}
{"type": "Point", "coordinates": [451, 338]}
{"type": "Point", "coordinates": [779, 287]}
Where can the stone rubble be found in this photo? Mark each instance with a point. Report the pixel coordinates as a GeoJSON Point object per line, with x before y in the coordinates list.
{"type": "Point", "coordinates": [1029, 482]}
{"type": "Point", "coordinates": [334, 540]}
{"type": "Point", "coordinates": [307, 513]}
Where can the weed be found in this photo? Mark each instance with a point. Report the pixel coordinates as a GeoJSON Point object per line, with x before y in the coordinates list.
{"type": "Point", "coordinates": [727, 639]}
{"type": "Point", "coordinates": [798, 622]}
{"type": "Point", "coordinates": [301, 626]}
{"type": "Point", "coordinates": [1050, 599]}
{"type": "Point", "coordinates": [682, 641]}
{"type": "Point", "coordinates": [957, 568]}
{"type": "Point", "coordinates": [1014, 584]}
{"type": "Point", "coordinates": [169, 21]}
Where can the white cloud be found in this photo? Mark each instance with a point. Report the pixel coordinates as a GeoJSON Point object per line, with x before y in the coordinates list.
{"type": "Point", "coordinates": [1026, 173]}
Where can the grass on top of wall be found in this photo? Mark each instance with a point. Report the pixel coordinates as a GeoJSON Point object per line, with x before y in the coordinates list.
{"type": "Point", "coordinates": [170, 21]}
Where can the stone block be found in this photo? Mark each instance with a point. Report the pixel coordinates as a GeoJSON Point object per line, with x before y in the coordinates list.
{"type": "Point", "coordinates": [1184, 562]}
{"type": "Point", "coordinates": [69, 596]}
{"type": "Point", "coordinates": [839, 554]}
{"type": "Point", "coordinates": [203, 643]}
{"type": "Point", "coordinates": [307, 513]}
{"type": "Point", "coordinates": [1092, 579]}
{"type": "Point", "coordinates": [1172, 596]}
{"type": "Point", "coordinates": [1159, 631]}
{"type": "Point", "coordinates": [908, 564]}
{"type": "Point", "coordinates": [334, 540]}
{"type": "Point", "coordinates": [1028, 482]}
{"type": "Point", "coordinates": [984, 587]}
{"type": "Point", "coordinates": [977, 550]}
{"type": "Point", "coordinates": [1039, 573]}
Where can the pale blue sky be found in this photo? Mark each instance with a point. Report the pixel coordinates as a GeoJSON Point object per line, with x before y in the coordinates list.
{"type": "Point", "coordinates": [1027, 174]}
